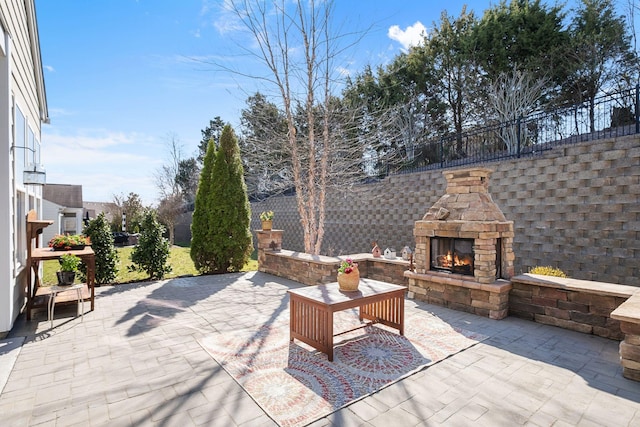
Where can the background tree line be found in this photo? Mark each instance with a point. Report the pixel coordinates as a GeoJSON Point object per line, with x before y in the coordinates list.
{"type": "Point", "coordinates": [311, 130]}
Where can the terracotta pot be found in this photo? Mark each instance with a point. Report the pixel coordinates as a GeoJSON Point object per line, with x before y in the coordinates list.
{"type": "Point", "coordinates": [266, 225]}
{"type": "Point", "coordinates": [349, 282]}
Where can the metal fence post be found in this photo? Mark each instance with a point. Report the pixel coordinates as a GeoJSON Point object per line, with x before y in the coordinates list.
{"type": "Point", "coordinates": [518, 124]}
{"type": "Point", "coordinates": [441, 152]}
{"type": "Point", "coordinates": [637, 108]}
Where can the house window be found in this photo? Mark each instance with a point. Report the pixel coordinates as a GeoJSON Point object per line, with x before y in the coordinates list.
{"type": "Point", "coordinates": [20, 154]}
{"type": "Point", "coordinates": [69, 223]}
{"type": "Point", "coordinates": [33, 154]}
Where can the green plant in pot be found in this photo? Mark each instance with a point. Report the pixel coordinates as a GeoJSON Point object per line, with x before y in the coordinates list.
{"type": "Point", "coordinates": [68, 267]}
{"type": "Point", "coordinates": [266, 218]}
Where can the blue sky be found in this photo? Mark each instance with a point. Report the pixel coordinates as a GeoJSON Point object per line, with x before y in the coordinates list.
{"type": "Point", "coordinates": [124, 77]}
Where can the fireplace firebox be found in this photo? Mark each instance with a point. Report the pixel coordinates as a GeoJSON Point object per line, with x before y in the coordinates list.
{"type": "Point", "coordinates": [452, 255]}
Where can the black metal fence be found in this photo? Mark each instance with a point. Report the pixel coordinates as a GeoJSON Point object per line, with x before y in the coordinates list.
{"type": "Point", "coordinates": [606, 116]}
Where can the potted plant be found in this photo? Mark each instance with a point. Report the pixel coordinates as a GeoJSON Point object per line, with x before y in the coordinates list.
{"type": "Point", "coordinates": [67, 242]}
{"type": "Point", "coordinates": [348, 275]}
{"type": "Point", "coordinates": [267, 220]}
{"type": "Point", "coordinates": [68, 267]}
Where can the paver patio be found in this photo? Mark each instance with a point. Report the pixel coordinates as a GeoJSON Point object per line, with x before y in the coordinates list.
{"type": "Point", "coordinates": [136, 361]}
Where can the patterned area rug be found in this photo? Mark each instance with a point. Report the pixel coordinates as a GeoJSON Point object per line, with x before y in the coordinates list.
{"type": "Point", "coordinates": [296, 384]}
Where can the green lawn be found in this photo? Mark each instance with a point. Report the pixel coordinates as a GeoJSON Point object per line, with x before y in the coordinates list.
{"type": "Point", "coordinates": [179, 258]}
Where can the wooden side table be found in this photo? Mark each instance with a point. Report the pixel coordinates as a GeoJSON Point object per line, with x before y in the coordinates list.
{"type": "Point", "coordinates": [87, 256]}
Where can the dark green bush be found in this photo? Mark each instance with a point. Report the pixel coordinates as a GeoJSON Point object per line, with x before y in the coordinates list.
{"type": "Point", "coordinates": [201, 250]}
{"type": "Point", "coordinates": [151, 254]}
{"type": "Point", "coordinates": [222, 239]}
{"type": "Point", "coordinates": [99, 231]}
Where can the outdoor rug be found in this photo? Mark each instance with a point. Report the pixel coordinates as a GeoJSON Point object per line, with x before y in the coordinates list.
{"type": "Point", "coordinates": [296, 384]}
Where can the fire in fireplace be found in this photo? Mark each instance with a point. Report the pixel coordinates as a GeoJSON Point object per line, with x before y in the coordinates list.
{"type": "Point", "coordinates": [452, 255]}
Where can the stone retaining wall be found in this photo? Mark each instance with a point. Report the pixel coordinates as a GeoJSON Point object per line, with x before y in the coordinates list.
{"type": "Point", "coordinates": [575, 207]}
{"type": "Point", "coordinates": [578, 305]}
{"type": "Point", "coordinates": [320, 269]}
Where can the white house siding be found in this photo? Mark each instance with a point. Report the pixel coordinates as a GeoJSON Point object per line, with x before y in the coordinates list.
{"type": "Point", "coordinates": [21, 87]}
{"type": "Point", "coordinates": [71, 224]}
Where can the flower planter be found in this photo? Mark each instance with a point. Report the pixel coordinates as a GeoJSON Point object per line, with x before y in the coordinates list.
{"type": "Point", "coordinates": [66, 278]}
{"type": "Point", "coordinates": [349, 282]}
{"type": "Point", "coordinates": [266, 225]}
{"type": "Point", "coordinates": [69, 248]}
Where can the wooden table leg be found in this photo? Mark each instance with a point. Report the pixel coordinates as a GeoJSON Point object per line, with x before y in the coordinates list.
{"type": "Point", "coordinates": [293, 308]}
{"type": "Point", "coordinates": [329, 334]}
{"type": "Point", "coordinates": [401, 298]}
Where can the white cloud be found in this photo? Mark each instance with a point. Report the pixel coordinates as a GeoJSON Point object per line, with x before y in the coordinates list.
{"type": "Point", "coordinates": [412, 36]}
{"type": "Point", "coordinates": [49, 68]}
{"type": "Point", "coordinates": [344, 72]}
{"type": "Point", "coordinates": [226, 19]}
{"type": "Point", "coordinates": [104, 163]}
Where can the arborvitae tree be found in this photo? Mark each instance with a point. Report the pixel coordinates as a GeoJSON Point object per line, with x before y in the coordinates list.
{"type": "Point", "coordinates": [201, 247]}
{"type": "Point", "coordinates": [151, 254]}
{"type": "Point", "coordinates": [230, 212]}
{"type": "Point", "coordinates": [99, 231]}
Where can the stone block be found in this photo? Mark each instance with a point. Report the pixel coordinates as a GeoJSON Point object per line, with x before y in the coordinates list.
{"type": "Point", "coordinates": [632, 339]}
{"type": "Point", "coordinates": [566, 324]}
{"type": "Point", "coordinates": [556, 294]}
{"type": "Point", "coordinates": [630, 364]}
{"type": "Point", "coordinates": [601, 311]}
{"type": "Point", "coordinates": [527, 308]}
{"type": "Point", "coordinates": [547, 302]}
{"type": "Point", "coordinates": [580, 298]}
{"type": "Point", "coordinates": [630, 328]}
{"type": "Point", "coordinates": [521, 293]}
{"type": "Point", "coordinates": [573, 306]}
{"type": "Point", "coordinates": [483, 304]}
{"type": "Point", "coordinates": [499, 298]}
{"type": "Point", "coordinates": [556, 312]}
{"type": "Point", "coordinates": [604, 301]}
{"type": "Point", "coordinates": [608, 332]}
{"type": "Point", "coordinates": [479, 295]}
{"type": "Point", "coordinates": [461, 296]}
{"type": "Point", "coordinates": [588, 318]}
{"type": "Point", "coordinates": [630, 352]}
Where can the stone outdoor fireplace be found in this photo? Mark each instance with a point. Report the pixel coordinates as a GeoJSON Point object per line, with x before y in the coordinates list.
{"type": "Point", "coordinates": [464, 248]}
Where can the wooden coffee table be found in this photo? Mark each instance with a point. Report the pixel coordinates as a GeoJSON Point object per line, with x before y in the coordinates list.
{"type": "Point", "coordinates": [312, 310]}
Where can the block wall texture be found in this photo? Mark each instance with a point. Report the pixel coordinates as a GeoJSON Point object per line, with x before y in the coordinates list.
{"type": "Point", "coordinates": [575, 310]}
{"type": "Point", "coordinates": [575, 207]}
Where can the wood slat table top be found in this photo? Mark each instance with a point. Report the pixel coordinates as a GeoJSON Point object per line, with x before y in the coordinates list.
{"type": "Point", "coordinates": [43, 254]}
{"type": "Point", "coordinates": [331, 294]}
